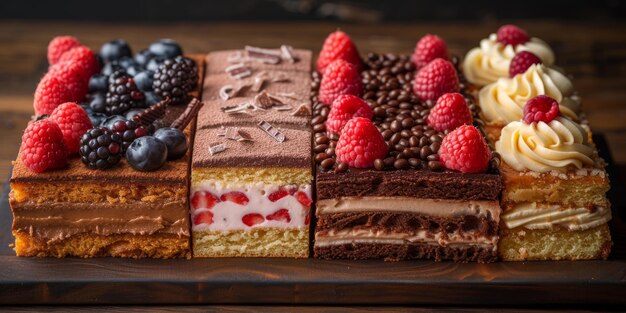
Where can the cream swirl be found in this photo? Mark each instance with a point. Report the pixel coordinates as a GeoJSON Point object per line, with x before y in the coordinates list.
{"type": "Point", "coordinates": [545, 216]}
{"type": "Point", "coordinates": [483, 65]}
{"type": "Point", "coordinates": [503, 101]}
{"type": "Point", "coordinates": [543, 147]}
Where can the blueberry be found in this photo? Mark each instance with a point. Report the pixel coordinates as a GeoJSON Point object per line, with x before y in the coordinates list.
{"type": "Point", "coordinates": [114, 50]}
{"type": "Point", "coordinates": [97, 118]}
{"type": "Point", "coordinates": [109, 121]}
{"type": "Point", "coordinates": [144, 80]}
{"type": "Point", "coordinates": [153, 64]}
{"type": "Point", "coordinates": [146, 154]}
{"type": "Point", "coordinates": [134, 70]}
{"type": "Point", "coordinates": [152, 98]}
{"type": "Point", "coordinates": [126, 62]}
{"type": "Point", "coordinates": [175, 140]}
{"type": "Point", "coordinates": [98, 103]}
{"type": "Point", "coordinates": [98, 83]}
{"type": "Point", "coordinates": [166, 48]}
{"type": "Point", "coordinates": [111, 68]}
{"type": "Point", "coordinates": [143, 57]}
{"type": "Point", "coordinates": [86, 107]}
{"type": "Point", "coordinates": [131, 113]}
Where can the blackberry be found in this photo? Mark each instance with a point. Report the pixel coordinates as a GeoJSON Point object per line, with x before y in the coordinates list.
{"type": "Point", "coordinates": [175, 78]}
{"type": "Point", "coordinates": [100, 148]}
{"type": "Point", "coordinates": [123, 94]}
{"type": "Point", "coordinates": [128, 131]}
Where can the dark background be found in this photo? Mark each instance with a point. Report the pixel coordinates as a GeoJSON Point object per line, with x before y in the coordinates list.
{"type": "Point", "coordinates": [280, 10]}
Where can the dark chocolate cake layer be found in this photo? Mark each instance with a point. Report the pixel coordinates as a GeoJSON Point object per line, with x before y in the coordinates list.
{"type": "Point", "coordinates": [395, 252]}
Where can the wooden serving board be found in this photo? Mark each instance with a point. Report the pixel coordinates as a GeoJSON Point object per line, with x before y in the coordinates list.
{"type": "Point", "coordinates": [312, 281]}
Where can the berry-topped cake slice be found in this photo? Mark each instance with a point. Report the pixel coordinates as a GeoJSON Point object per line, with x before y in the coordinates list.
{"type": "Point", "coordinates": [401, 171]}
{"type": "Point", "coordinates": [251, 173]}
{"type": "Point", "coordinates": [103, 170]}
{"type": "Point", "coordinates": [554, 199]}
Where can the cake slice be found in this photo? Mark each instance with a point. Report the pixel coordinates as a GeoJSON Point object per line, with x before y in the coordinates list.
{"type": "Point", "coordinates": [118, 212]}
{"type": "Point", "coordinates": [405, 204]}
{"type": "Point", "coordinates": [251, 173]}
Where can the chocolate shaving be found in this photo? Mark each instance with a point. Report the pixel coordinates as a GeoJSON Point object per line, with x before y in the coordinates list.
{"type": "Point", "coordinates": [280, 78]}
{"type": "Point", "coordinates": [263, 55]}
{"type": "Point", "coordinates": [229, 91]}
{"type": "Point", "coordinates": [240, 108]}
{"type": "Point", "coordinates": [272, 131]}
{"type": "Point", "coordinates": [302, 110]}
{"type": "Point", "coordinates": [243, 136]}
{"type": "Point", "coordinates": [235, 57]}
{"type": "Point", "coordinates": [233, 133]}
{"type": "Point", "coordinates": [151, 114]}
{"type": "Point", "coordinates": [288, 95]}
{"type": "Point", "coordinates": [215, 149]}
{"type": "Point", "coordinates": [238, 71]}
{"type": "Point", "coordinates": [265, 101]}
{"type": "Point", "coordinates": [288, 53]}
{"type": "Point", "coordinates": [258, 83]}
{"type": "Point", "coordinates": [285, 107]}
{"type": "Point", "coordinates": [188, 115]}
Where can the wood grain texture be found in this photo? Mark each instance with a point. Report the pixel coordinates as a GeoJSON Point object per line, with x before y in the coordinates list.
{"type": "Point", "coordinates": [593, 53]}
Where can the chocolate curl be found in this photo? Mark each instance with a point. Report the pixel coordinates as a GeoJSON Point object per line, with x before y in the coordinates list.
{"type": "Point", "coordinates": [153, 113]}
{"type": "Point", "coordinates": [190, 112]}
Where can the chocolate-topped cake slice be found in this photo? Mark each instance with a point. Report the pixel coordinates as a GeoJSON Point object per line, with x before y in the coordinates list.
{"type": "Point", "coordinates": [388, 183]}
{"type": "Point", "coordinates": [251, 173]}
{"type": "Point", "coordinates": [104, 204]}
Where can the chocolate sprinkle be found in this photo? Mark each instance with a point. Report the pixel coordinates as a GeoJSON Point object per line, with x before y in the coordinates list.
{"type": "Point", "coordinates": [188, 115]}
{"type": "Point", "coordinates": [151, 114]}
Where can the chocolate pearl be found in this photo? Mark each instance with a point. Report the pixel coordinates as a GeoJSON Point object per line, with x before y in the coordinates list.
{"type": "Point", "coordinates": [407, 152]}
{"type": "Point", "coordinates": [399, 147]}
{"type": "Point", "coordinates": [401, 164]}
{"type": "Point", "coordinates": [393, 103]}
{"type": "Point", "coordinates": [435, 146]}
{"type": "Point", "coordinates": [407, 122]}
{"type": "Point", "coordinates": [330, 152]}
{"type": "Point", "coordinates": [324, 112]}
{"type": "Point", "coordinates": [404, 97]}
{"type": "Point", "coordinates": [423, 141]}
{"type": "Point", "coordinates": [430, 132]}
{"type": "Point", "coordinates": [425, 152]}
{"type": "Point", "coordinates": [322, 140]}
{"type": "Point", "coordinates": [328, 163]}
{"type": "Point", "coordinates": [435, 166]}
{"type": "Point", "coordinates": [403, 142]}
{"type": "Point", "coordinates": [415, 114]}
{"type": "Point", "coordinates": [405, 105]}
{"type": "Point", "coordinates": [405, 134]}
{"type": "Point", "coordinates": [321, 157]}
{"type": "Point", "coordinates": [418, 133]}
{"type": "Point", "coordinates": [387, 134]}
{"type": "Point", "coordinates": [380, 112]}
{"type": "Point", "coordinates": [389, 161]}
{"type": "Point", "coordinates": [433, 157]}
{"type": "Point", "coordinates": [385, 125]}
{"type": "Point", "coordinates": [319, 128]}
{"type": "Point", "coordinates": [396, 126]}
{"type": "Point", "coordinates": [394, 94]}
{"type": "Point", "coordinates": [320, 148]}
{"type": "Point", "coordinates": [401, 155]}
{"type": "Point", "coordinates": [379, 164]}
{"type": "Point", "coordinates": [381, 100]}
{"type": "Point", "coordinates": [435, 138]}
{"type": "Point", "coordinates": [415, 162]}
{"type": "Point", "coordinates": [334, 136]}
{"type": "Point", "coordinates": [395, 138]}
{"type": "Point", "coordinates": [413, 141]}
{"type": "Point", "coordinates": [420, 121]}
{"type": "Point", "coordinates": [369, 95]}
{"type": "Point", "coordinates": [317, 120]}
{"type": "Point", "coordinates": [341, 167]}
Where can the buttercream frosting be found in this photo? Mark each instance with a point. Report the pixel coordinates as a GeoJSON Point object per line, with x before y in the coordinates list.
{"type": "Point", "coordinates": [545, 216]}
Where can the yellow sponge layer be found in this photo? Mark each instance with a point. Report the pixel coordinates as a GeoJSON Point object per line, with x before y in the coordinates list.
{"type": "Point", "coordinates": [46, 192]}
{"type": "Point", "coordinates": [249, 175]}
{"type": "Point", "coordinates": [521, 244]}
{"type": "Point", "coordinates": [255, 242]}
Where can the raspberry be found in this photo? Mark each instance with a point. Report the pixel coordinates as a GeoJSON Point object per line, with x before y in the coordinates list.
{"type": "Point", "coordinates": [252, 219]}
{"type": "Point", "coordinates": [235, 196]}
{"type": "Point", "coordinates": [429, 48]}
{"type": "Point", "coordinates": [512, 35]}
{"type": "Point", "coordinates": [205, 217]}
{"type": "Point", "coordinates": [281, 215]}
{"type": "Point", "coordinates": [74, 77]}
{"type": "Point", "coordinates": [521, 62]}
{"type": "Point", "coordinates": [450, 112]}
{"type": "Point", "coordinates": [435, 79]}
{"type": "Point", "coordinates": [340, 78]}
{"type": "Point", "coordinates": [465, 150]}
{"type": "Point", "coordinates": [360, 144]}
{"type": "Point", "coordinates": [84, 57]}
{"type": "Point", "coordinates": [344, 108]}
{"type": "Point", "coordinates": [73, 122]}
{"type": "Point", "coordinates": [42, 146]}
{"type": "Point", "coordinates": [338, 45]}
{"type": "Point", "coordinates": [203, 199]}
{"type": "Point", "coordinates": [303, 199]}
{"type": "Point", "coordinates": [58, 46]}
{"type": "Point", "coordinates": [541, 109]}
{"type": "Point", "coordinates": [49, 94]}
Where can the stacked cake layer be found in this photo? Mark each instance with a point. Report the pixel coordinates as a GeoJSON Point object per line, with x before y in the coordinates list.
{"type": "Point", "coordinates": [251, 174]}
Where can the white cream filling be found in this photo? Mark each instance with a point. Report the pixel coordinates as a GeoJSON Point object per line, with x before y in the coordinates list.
{"type": "Point", "coordinates": [546, 216]}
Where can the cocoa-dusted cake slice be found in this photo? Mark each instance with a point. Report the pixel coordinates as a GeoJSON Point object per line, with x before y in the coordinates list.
{"type": "Point", "coordinates": [119, 212]}
{"type": "Point", "coordinates": [407, 205]}
{"type": "Point", "coordinates": [251, 173]}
